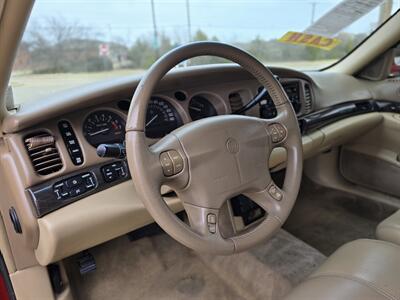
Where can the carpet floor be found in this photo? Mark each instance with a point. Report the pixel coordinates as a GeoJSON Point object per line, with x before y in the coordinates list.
{"type": "Point", "coordinates": [157, 267]}
{"type": "Point", "coordinates": [326, 219]}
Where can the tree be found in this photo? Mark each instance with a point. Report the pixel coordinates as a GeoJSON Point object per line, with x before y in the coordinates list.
{"type": "Point", "coordinates": [49, 43]}
{"type": "Point", "coordinates": [205, 60]}
{"type": "Point", "coordinates": [200, 36]}
{"type": "Point", "coordinates": [58, 46]}
{"type": "Point", "coordinates": [142, 54]}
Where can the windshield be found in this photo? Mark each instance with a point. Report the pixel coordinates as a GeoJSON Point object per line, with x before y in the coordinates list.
{"type": "Point", "coordinates": [71, 43]}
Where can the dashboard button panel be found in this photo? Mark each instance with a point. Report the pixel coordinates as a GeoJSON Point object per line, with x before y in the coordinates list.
{"type": "Point", "coordinates": [56, 193]}
{"type": "Point", "coordinates": [114, 171]}
{"type": "Point", "coordinates": [71, 142]}
{"type": "Point", "coordinates": [74, 186]}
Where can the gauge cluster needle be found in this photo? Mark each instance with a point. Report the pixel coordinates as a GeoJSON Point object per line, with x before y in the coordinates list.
{"type": "Point", "coordinates": [98, 132]}
{"type": "Point", "coordinates": [195, 108]}
{"type": "Point", "coordinates": [151, 121]}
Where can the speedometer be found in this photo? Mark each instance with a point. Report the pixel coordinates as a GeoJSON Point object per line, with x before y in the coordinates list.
{"type": "Point", "coordinates": [161, 118]}
{"type": "Point", "coordinates": [104, 127]}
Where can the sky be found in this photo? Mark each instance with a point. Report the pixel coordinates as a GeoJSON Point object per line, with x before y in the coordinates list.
{"type": "Point", "coordinates": [230, 21]}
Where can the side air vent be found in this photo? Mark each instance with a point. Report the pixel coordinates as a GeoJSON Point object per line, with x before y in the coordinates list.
{"type": "Point", "coordinates": [43, 153]}
{"type": "Point", "coordinates": [235, 100]}
{"type": "Point", "coordinates": [307, 99]}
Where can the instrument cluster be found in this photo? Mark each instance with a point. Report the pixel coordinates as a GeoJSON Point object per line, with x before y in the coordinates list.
{"type": "Point", "coordinates": [162, 117]}
{"type": "Point", "coordinates": [167, 112]}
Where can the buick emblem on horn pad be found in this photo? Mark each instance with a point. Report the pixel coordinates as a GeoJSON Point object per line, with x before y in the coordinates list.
{"type": "Point", "coordinates": [232, 145]}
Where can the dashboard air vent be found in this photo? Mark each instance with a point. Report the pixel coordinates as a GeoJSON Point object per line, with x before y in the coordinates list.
{"type": "Point", "coordinates": [235, 100]}
{"type": "Point", "coordinates": [307, 99]}
{"type": "Point", "coordinates": [43, 153]}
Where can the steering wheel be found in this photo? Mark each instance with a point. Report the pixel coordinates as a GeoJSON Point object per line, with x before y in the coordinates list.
{"type": "Point", "coordinates": [209, 161]}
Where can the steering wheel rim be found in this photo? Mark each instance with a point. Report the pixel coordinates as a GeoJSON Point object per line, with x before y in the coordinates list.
{"type": "Point", "coordinates": [218, 157]}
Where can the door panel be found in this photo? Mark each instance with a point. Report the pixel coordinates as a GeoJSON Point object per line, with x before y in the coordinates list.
{"type": "Point", "coordinates": [372, 160]}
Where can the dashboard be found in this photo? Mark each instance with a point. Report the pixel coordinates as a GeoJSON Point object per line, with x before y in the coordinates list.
{"type": "Point", "coordinates": [58, 178]}
{"type": "Point", "coordinates": [61, 179]}
{"type": "Point", "coordinates": [60, 163]}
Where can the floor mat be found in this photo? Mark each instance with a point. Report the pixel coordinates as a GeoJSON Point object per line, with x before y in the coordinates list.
{"type": "Point", "coordinates": [160, 268]}
{"type": "Point", "coordinates": [327, 219]}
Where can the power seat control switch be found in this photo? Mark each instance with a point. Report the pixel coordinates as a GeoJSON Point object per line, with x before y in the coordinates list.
{"type": "Point", "coordinates": [171, 162]}
{"type": "Point", "coordinates": [277, 132]}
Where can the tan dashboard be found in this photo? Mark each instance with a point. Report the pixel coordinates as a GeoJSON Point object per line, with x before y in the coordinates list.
{"type": "Point", "coordinates": [58, 226]}
{"type": "Point", "coordinates": [73, 170]}
{"type": "Point", "coordinates": [118, 210]}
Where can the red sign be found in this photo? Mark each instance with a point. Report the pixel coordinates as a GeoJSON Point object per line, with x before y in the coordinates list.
{"type": "Point", "coordinates": [104, 50]}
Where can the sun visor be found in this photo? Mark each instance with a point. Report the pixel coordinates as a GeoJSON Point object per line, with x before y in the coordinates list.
{"type": "Point", "coordinates": [323, 33]}
{"type": "Point", "coordinates": [341, 16]}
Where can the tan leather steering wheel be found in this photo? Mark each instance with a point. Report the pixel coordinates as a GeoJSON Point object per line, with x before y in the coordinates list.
{"type": "Point", "coordinates": [209, 161]}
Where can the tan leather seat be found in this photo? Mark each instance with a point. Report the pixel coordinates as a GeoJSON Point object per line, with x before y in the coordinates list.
{"type": "Point", "coordinates": [389, 229]}
{"type": "Point", "coordinates": [362, 269]}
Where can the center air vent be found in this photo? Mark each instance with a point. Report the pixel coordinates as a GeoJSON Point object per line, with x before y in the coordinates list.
{"type": "Point", "coordinates": [307, 99]}
{"type": "Point", "coordinates": [43, 153]}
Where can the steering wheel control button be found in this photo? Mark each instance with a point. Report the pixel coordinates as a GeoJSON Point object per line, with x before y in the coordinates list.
{"type": "Point", "coordinates": [166, 164]}
{"type": "Point", "coordinates": [211, 218]}
{"type": "Point", "coordinates": [275, 192]}
{"type": "Point", "coordinates": [212, 223]}
{"type": "Point", "coordinates": [177, 161]}
{"type": "Point", "coordinates": [171, 162]}
{"type": "Point", "coordinates": [212, 228]}
{"type": "Point", "coordinates": [277, 132]}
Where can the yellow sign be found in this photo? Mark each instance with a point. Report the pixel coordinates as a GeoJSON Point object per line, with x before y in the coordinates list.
{"type": "Point", "coordinates": [312, 40]}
